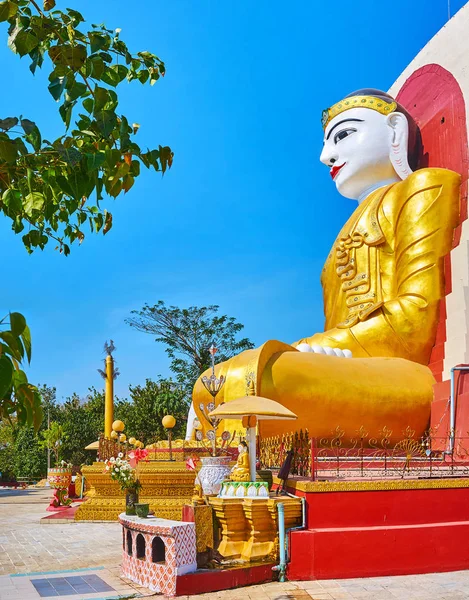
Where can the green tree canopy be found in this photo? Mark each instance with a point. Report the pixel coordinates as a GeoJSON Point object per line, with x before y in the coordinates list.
{"type": "Point", "coordinates": [53, 189]}
{"type": "Point", "coordinates": [79, 421]}
{"type": "Point", "coordinates": [7, 450]}
{"type": "Point", "coordinates": [30, 458]}
{"type": "Point", "coordinates": [52, 439]}
{"type": "Point", "coordinates": [188, 334]}
{"type": "Point", "coordinates": [149, 404]}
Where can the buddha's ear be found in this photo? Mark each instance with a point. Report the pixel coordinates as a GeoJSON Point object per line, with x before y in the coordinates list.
{"type": "Point", "coordinates": [399, 126]}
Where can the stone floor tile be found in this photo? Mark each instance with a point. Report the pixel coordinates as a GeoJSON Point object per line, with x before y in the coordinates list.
{"type": "Point", "coordinates": [310, 585]}
{"type": "Point", "coordinates": [330, 584]}
{"type": "Point", "coordinates": [27, 546]}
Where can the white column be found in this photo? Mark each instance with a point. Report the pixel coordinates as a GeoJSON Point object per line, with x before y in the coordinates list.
{"type": "Point", "coordinates": [252, 452]}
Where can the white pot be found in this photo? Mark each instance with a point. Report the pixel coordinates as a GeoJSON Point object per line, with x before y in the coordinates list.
{"type": "Point", "coordinates": [215, 469]}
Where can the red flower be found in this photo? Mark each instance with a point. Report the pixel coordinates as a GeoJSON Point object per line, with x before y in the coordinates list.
{"type": "Point", "coordinates": [136, 456]}
{"type": "Point", "coordinates": [191, 463]}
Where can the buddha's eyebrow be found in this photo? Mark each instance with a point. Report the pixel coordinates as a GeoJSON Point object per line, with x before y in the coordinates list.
{"type": "Point", "coordinates": [340, 123]}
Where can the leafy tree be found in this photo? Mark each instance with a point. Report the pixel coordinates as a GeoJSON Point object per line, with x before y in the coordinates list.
{"type": "Point", "coordinates": [50, 406]}
{"type": "Point", "coordinates": [17, 395]}
{"type": "Point", "coordinates": [82, 420]}
{"type": "Point", "coordinates": [52, 439]}
{"type": "Point", "coordinates": [188, 334]}
{"type": "Point", "coordinates": [7, 450]}
{"type": "Point", "coordinates": [47, 186]}
{"type": "Point", "coordinates": [150, 403]}
{"type": "Point", "coordinates": [30, 458]}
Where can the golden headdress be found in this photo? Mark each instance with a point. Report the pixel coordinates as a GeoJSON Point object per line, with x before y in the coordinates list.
{"type": "Point", "coordinates": [382, 106]}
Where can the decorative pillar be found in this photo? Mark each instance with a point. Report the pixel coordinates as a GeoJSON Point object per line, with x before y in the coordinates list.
{"type": "Point", "coordinates": [234, 528]}
{"type": "Point", "coordinates": [262, 535]}
{"type": "Point", "coordinates": [109, 397]}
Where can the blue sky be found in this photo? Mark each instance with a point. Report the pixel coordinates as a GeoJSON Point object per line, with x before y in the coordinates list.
{"type": "Point", "coordinates": [247, 214]}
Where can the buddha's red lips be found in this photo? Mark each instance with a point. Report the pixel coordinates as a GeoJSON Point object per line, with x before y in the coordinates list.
{"type": "Point", "coordinates": [335, 170]}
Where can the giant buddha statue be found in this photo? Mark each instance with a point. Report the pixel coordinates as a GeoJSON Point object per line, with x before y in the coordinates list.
{"type": "Point", "coordinates": [382, 283]}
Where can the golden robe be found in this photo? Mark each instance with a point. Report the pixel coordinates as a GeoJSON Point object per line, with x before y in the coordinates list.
{"type": "Point", "coordinates": [241, 471]}
{"type": "Point", "coordinates": [382, 283]}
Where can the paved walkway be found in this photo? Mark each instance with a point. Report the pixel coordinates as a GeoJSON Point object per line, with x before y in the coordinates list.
{"type": "Point", "coordinates": [35, 557]}
{"type": "Point", "coordinates": [26, 545]}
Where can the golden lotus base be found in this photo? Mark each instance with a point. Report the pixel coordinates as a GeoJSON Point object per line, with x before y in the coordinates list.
{"type": "Point", "coordinates": [166, 487]}
{"type": "Point", "coordinates": [249, 526]}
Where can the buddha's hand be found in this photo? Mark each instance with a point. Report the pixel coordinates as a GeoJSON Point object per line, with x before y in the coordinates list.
{"type": "Point", "coordinates": [324, 350]}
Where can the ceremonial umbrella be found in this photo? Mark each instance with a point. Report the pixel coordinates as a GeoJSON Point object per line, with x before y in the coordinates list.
{"type": "Point", "coordinates": [252, 409]}
{"type": "Point", "coordinates": [93, 446]}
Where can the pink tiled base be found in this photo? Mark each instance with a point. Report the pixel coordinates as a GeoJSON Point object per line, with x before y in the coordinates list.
{"type": "Point", "coordinates": [180, 552]}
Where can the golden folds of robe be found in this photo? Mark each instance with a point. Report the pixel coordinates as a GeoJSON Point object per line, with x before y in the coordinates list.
{"type": "Point", "coordinates": [382, 284]}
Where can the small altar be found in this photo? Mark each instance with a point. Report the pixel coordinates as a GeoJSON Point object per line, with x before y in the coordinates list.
{"type": "Point", "coordinates": [166, 486]}
{"type": "Point", "coordinates": [155, 552]}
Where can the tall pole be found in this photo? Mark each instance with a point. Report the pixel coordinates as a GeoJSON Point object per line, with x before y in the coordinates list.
{"type": "Point", "coordinates": [109, 397]}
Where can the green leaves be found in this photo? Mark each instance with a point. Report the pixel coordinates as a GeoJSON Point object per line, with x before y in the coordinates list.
{"type": "Point", "coordinates": [6, 375]}
{"type": "Point", "coordinates": [34, 201]}
{"type": "Point", "coordinates": [114, 75]}
{"type": "Point", "coordinates": [17, 323]}
{"type": "Point", "coordinates": [16, 394]}
{"type": "Point", "coordinates": [56, 87]}
{"type": "Point", "coordinates": [99, 41]}
{"type": "Point", "coordinates": [26, 339]}
{"type": "Point", "coordinates": [8, 10]}
{"type": "Point", "coordinates": [8, 123]}
{"type": "Point", "coordinates": [12, 200]}
{"type": "Point", "coordinates": [95, 161]}
{"type": "Point", "coordinates": [68, 55]}
{"type": "Point", "coordinates": [33, 135]}
{"type": "Point", "coordinates": [106, 121]}
{"type": "Point", "coordinates": [51, 189]}
{"type": "Point", "coordinates": [25, 42]}
{"type": "Point", "coordinates": [8, 150]}
{"type": "Point", "coordinates": [101, 98]}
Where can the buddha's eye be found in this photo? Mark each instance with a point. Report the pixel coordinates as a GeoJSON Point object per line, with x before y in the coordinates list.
{"type": "Point", "coordinates": [340, 135]}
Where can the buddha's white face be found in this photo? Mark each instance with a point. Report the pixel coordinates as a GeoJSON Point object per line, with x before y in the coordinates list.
{"type": "Point", "coordinates": [357, 147]}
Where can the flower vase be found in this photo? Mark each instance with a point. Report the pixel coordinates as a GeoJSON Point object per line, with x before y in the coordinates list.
{"type": "Point", "coordinates": [215, 469]}
{"type": "Point", "coordinates": [59, 479]}
{"type": "Point", "coordinates": [131, 498]}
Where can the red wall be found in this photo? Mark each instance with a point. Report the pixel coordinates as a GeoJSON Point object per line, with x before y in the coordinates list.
{"type": "Point", "coordinates": [378, 533]}
{"type": "Point", "coordinates": [393, 507]}
{"type": "Point", "coordinates": [378, 551]}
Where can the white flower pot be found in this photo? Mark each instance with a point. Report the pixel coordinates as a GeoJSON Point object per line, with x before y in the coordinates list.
{"type": "Point", "coordinates": [215, 469]}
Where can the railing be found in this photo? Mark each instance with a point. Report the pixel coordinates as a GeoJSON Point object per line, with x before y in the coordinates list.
{"type": "Point", "coordinates": [110, 448]}
{"type": "Point", "coordinates": [363, 456]}
{"type": "Point", "coordinates": [273, 450]}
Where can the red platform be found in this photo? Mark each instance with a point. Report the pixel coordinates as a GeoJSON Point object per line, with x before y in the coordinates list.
{"type": "Point", "coordinates": [204, 581]}
{"type": "Point", "coordinates": [353, 531]}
